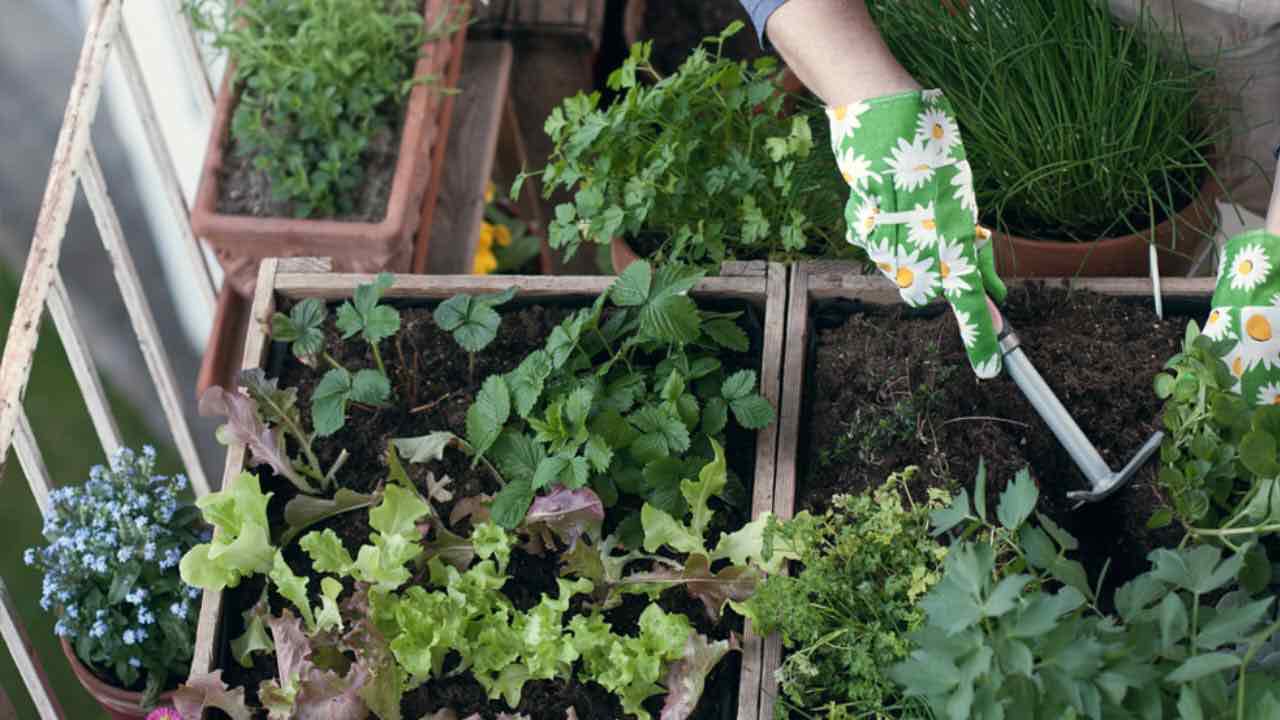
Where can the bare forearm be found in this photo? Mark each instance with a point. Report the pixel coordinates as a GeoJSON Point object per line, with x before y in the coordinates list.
{"type": "Point", "coordinates": [836, 50]}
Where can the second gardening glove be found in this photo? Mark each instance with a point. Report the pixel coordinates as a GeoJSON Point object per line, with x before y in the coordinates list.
{"type": "Point", "coordinates": [1246, 315]}
{"type": "Point", "coordinates": [912, 209]}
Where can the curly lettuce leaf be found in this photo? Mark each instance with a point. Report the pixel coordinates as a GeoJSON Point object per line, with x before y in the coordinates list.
{"type": "Point", "coordinates": [241, 542]}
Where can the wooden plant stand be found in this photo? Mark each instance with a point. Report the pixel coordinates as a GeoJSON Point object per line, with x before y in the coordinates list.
{"type": "Point", "coordinates": [760, 285]}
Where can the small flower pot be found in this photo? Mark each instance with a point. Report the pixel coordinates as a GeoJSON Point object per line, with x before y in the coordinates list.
{"type": "Point", "coordinates": [243, 240]}
{"type": "Point", "coordinates": [1178, 240]}
{"type": "Point", "coordinates": [119, 704]}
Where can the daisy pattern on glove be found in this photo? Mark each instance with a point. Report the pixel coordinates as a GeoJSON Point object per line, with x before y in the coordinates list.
{"type": "Point", "coordinates": [923, 228]}
{"type": "Point", "coordinates": [955, 268]}
{"type": "Point", "coordinates": [939, 130]}
{"type": "Point", "coordinates": [917, 282]}
{"type": "Point", "coordinates": [912, 208]}
{"type": "Point", "coordinates": [1269, 394]}
{"type": "Point", "coordinates": [844, 120]}
{"type": "Point", "coordinates": [855, 169]}
{"type": "Point", "coordinates": [913, 164]}
{"type": "Point", "coordinates": [1249, 268]}
{"type": "Point", "coordinates": [1218, 326]}
{"type": "Point", "coordinates": [968, 331]}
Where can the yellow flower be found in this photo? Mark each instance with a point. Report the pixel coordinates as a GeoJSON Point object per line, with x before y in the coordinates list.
{"type": "Point", "coordinates": [485, 262]}
{"type": "Point", "coordinates": [502, 234]}
{"type": "Point", "coordinates": [486, 236]}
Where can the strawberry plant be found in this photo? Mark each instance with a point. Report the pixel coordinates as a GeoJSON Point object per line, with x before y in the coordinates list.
{"type": "Point", "coordinates": [627, 402]}
{"type": "Point", "coordinates": [363, 316]}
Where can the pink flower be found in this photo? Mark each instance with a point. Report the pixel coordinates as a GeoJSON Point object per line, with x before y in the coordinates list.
{"type": "Point", "coordinates": [164, 713]}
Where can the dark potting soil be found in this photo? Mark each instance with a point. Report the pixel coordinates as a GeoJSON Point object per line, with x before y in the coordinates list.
{"type": "Point", "coordinates": [245, 190]}
{"type": "Point", "coordinates": [676, 27]}
{"type": "Point", "coordinates": [890, 390]}
{"type": "Point", "coordinates": [435, 387]}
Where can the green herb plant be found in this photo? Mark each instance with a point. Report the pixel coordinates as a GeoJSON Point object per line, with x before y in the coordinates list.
{"type": "Point", "coordinates": [318, 79]}
{"type": "Point", "coordinates": [1219, 466]}
{"type": "Point", "coordinates": [365, 316]}
{"type": "Point", "coordinates": [845, 616]}
{"type": "Point", "coordinates": [704, 160]}
{"type": "Point", "coordinates": [1013, 627]}
{"type": "Point", "coordinates": [627, 403]}
{"type": "Point", "coordinates": [473, 322]}
{"type": "Point", "coordinates": [1078, 127]}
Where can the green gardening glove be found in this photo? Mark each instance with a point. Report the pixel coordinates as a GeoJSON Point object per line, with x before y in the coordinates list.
{"type": "Point", "coordinates": [1246, 312]}
{"type": "Point", "coordinates": [912, 208]}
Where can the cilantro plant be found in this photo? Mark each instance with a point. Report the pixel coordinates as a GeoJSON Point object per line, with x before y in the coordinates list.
{"type": "Point", "coordinates": [472, 321]}
{"type": "Point", "coordinates": [703, 159]}
{"type": "Point", "coordinates": [846, 614]}
{"type": "Point", "coordinates": [365, 316]}
{"type": "Point", "coordinates": [318, 79]}
{"type": "Point", "coordinates": [1014, 628]}
{"type": "Point", "coordinates": [1219, 463]}
{"type": "Point", "coordinates": [629, 403]}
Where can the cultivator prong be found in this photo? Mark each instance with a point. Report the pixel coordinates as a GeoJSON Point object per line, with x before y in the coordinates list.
{"type": "Point", "coordinates": [1102, 479]}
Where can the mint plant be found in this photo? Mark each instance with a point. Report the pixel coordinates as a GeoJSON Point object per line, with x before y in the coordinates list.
{"type": "Point", "coordinates": [318, 79]}
{"type": "Point", "coordinates": [703, 160]}
{"type": "Point", "coordinates": [1013, 626]}
{"type": "Point", "coordinates": [364, 316]}
{"type": "Point", "coordinates": [1219, 463]}
{"type": "Point", "coordinates": [627, 404]}
{"type": "Point", "coordinates": [472, 321]}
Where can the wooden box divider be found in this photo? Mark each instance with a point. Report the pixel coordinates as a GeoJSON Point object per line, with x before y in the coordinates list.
{"type": "Point", "coordinates": [764, 287]}
{"type": "Point", "coordinates": [817, 281]}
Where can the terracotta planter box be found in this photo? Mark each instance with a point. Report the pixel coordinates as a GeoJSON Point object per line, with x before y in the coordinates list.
{"type": "Point", "coordinates": [814, 283]}
{"type": "Point", "coordinates": [119, 704]}
{"type": "Point", "coordinates": [242, 241]}
{"type": "Point", "coordinates": [1178, 241]}
{"type": "Point", "coordinates": [759, 285]}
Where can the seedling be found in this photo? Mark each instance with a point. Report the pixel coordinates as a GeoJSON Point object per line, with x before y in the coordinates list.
{"type": "Point", "coordinates": [473, 322]}
{"type": "Point", "coordinates": [302, 328]}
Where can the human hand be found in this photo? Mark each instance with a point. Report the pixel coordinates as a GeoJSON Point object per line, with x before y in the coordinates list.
{"type": "Point", "coordinates": [912, 209]}
{"type": "Point", "coordinates": [1246, 314]}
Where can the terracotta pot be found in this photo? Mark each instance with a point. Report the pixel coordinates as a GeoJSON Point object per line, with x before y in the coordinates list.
{"type": "Point", "coordinates": [354, 246]}
{"type": "Point", "coordinates": [621, 255]}
{"type": "Point", "coordinates": [1125, 256]}
{"type": "Point", "coordinates": [221, 359]}
{"type": "Point", "coordinates": [119, 704]}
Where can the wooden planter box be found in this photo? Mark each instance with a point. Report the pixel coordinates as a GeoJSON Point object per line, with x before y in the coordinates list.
{"type": "Point", "coordinates": [242, 241]}
{"type": "Point", "coordinates": [762, 286]}
{"type": "Point", "coordinates": [814, 282]}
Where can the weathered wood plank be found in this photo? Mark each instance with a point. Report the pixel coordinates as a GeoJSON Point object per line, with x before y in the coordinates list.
{"type": "Point", "coordinates": [32, 462]}
{"type": "Point", "coordinates": [83, 366]}
{"type": "Point", "coordinates": [469, 157]}
{"type": "Point", "coordinates": [338, 286]}
{"type": "Point", "coordinates": [25, 658]}
{"type": "Point", "coordinates": [51, 224]}
{"type": "Point", "coordinates": [200, 279]}
{"type": "Point", "coordinates": [209, 626]}
{"type": "Point", "coordinates": [766, 456]}
{"type": "Point", "coordinates": [144, 323]}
